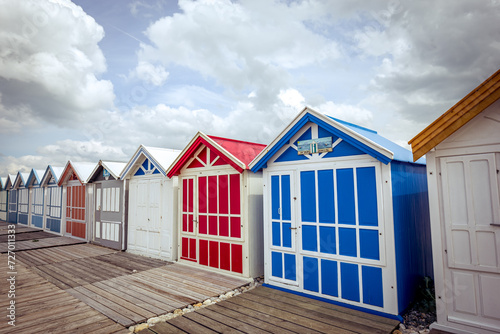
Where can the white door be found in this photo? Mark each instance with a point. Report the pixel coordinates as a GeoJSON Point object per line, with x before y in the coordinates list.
{"type": "Point", "coordinates": [145, 217]}
{"type": "Point", "coordinates": [471, 212]}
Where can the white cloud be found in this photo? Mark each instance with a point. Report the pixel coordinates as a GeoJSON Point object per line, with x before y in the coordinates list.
{"type": "Point", "coordinates": [150, 74]}
{"type": "Point", "coordinates": [244, 46]}
{"type": "Point", "coordinates": [346, 112]}
{"type": "Point", "coordinates": [292, 97]}
{"type": "Point", "coordinates": [50, 60]}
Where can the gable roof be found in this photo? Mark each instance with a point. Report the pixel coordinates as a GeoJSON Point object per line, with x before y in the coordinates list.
{"type": "Point", "coordinates": [457, 116]}
{"type": "Point", "coordinates": [236, 153]}
{"type": "Point", "coordinates": [20, 181]}
{"type": "Point", "coordinates": [366, 140]}
{"type": "Point", "coordinates": [35, 174]}
{"type": "Point", "coordinates": [82, 171]}
{"type": "Point", "coordinates": [51, 171]}
{"type": "Point", "coordinates": [115, 168]}
{"type": "Point", "coordinates": [3, 183]}
{"type": "Point", "coordinates": [11, 178]}
{"type": "Point", "coordinates": [161, 158]}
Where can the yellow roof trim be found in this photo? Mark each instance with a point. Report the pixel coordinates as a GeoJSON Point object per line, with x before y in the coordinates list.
{"type": "Point", "coordinates": [457, 116]}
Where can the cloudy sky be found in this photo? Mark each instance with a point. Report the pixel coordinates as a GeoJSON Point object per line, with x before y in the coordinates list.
{"type": "Point", "coordinates": [93, 79]}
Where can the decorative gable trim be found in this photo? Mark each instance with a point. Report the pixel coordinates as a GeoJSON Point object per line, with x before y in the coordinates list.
{"type": "Point", "coordinates": [189, 152]}
{"type": "Point", "coordinates": [308, 115]}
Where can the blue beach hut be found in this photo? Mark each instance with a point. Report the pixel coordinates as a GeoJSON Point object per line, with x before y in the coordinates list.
{"type": "Point", "coordinates": [12, 199]}
{"type": "Point", "coordinates": [52, 198]}
{"type": "Point", "coordinates": [35, 193]}
{"type": "Point", "coordinates": [22, 198]}
{"type": "Point", "coordinates": [346, 216]}
{"type": "Point", "coordinates": [4, 195]}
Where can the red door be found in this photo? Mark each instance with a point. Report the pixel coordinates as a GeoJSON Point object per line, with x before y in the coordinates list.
{"type": "Point", "coordinates": [75, 210]}
{"type": "Point", "coordinates": [188, 220]}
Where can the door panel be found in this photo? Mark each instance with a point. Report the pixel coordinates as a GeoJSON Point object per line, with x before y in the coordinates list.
{"type": "Point", "coordinates": [283, 230]}
{"type": "Point", "coordinates": [75, 210]}
{"type": "Point", "coordinates": [108, 214]}
{"type": "Point", "coordinates": [471, 215]}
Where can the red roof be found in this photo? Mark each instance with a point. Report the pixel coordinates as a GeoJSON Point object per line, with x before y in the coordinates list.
{"type": "Point", "coordinates": [244, 152]}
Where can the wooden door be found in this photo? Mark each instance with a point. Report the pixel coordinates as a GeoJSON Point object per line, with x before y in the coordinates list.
{"type": "Point", "coordinates": [471, 217]}
{"type": "Point", "coordinates": [108, 226]}
{"type": "Point", "coordinates": [37, 207]}
{"type": "Point", "coordinates": [53, 209]}
{"type": "Point", "coordinates": [75, 210]}
{"type": "Point", "coordinates": [144, 225]}
{"type": "Point", "coordinates": [23, 206]}
{"type": "Point", "coordinates": [12, 214]}
{"type": "Point", "coordinates": [189, 228]}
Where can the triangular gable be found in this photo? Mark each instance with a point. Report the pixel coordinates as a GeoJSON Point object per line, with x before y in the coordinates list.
{"type": "Point", "coordinates": [20, 181]}
{"type": "Point", "coordinates": [76, 171]}
{"type": "Point", "coordinates": [11, 178]}
{"type": "Point", "coordinates": [357, 140]}
{"type": "Point", "coordinates": [3, 183]}
{"type": "Point", "coordinates": [109, 168]}
{"type": "Point", "coordinates": [34, 178]}
{"type": "Point", "coordinates": [151, 160]}
{"type": "Point", "coordinates": [223, 151]}
{"type": "Point", "coordinates": [457, 116]}
{"type": "Point", "coordinates": [52, 175]}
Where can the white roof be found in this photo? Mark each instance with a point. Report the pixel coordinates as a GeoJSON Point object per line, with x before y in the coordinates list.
{"type": "Point", "coordinates": [83, 169]}
{"type": "Point", "coordinates": [163, 157]}
{"type": "Point", "coordinates": [114, 167]}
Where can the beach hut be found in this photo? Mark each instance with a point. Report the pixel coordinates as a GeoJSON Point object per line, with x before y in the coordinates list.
{"type": "Point", "coordinates": [220, 205]}
{"type": "Point", "coordinates": [108, 219]}
{"type": "Point", "coordinates": [22, 198]}
{"type": "Point", "coordinates": [75, 198]}
{"type": "Point", "coordinates": [152, 203]}
{"type": "Point", "coordinates": [12, 199]}
{"type": "Point", "coordinates": [36, 198]}
{"type": "Point", "coordinates": [52, 199]}
{"type": "Point", "coordinates": [4, 195]}
{"type": "Point", "coordinates": [345, 215]}
{"type": "Point", "coordinates": [463, 162]}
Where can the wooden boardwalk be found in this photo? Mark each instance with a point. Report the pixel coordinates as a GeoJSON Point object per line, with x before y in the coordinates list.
{"type": "Point", "coordinates": [41, 307]}
{"type": "Point", "coordinates": [32, 238]}
{"type": "Point", "coordinates": [86, 288]}
{"type": "Point", "coordinates": [266, 310]}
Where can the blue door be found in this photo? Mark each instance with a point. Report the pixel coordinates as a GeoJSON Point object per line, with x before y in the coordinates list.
{"type": "Point", "coordinates": [283, 229]}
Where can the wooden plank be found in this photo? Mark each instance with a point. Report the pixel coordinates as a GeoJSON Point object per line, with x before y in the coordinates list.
{"type": "Point", "coordinates": [214, 325]}
{"type": "Point", "coordinates": [111, 304]}
{"type": "Point", "coordinates": [165, 327]}
{"type": "Point", "coordinates": [131, 296]}
{"type": "Point", "coordinates": [341, 315]}
{"type": "Point", "coordinates": [121, 302]}
{"type": "Point", "coordinates": [274, 324]}
{"type": "Point", "coordinates": [235, 325]}
{"type": "Point", "coordinates": [103, 326]}
{"type": "Point", "coordinates": [157, 293]}
{"type": "Point", "coordinates": [288, 317]}
{"type": "Point", "coordinates": [329, 306]}
{"type": "Point", "coordinates": [153, 299]}
{"type": "Point", "coordinates": [189, 326]}
{"type": "Point", "coordinates": [115, 316]}
{"type": "Point", "coordinates": [258, 320]}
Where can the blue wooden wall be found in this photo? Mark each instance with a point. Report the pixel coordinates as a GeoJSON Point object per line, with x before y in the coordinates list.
{"type": "Point", "coordinates": [411, 229]}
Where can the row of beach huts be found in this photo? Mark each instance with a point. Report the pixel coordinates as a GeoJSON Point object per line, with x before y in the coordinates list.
{"type": "Point", "coordinates": [328, 209]}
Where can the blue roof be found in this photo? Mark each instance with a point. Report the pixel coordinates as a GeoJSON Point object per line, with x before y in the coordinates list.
{"type": "Point", "coordinates": [365, 139]}
{"type": "Point", "coordinates": [400, 153]}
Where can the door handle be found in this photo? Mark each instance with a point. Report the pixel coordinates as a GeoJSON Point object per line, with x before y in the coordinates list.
{"type": "Point", "coordinates": [292, 228]}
